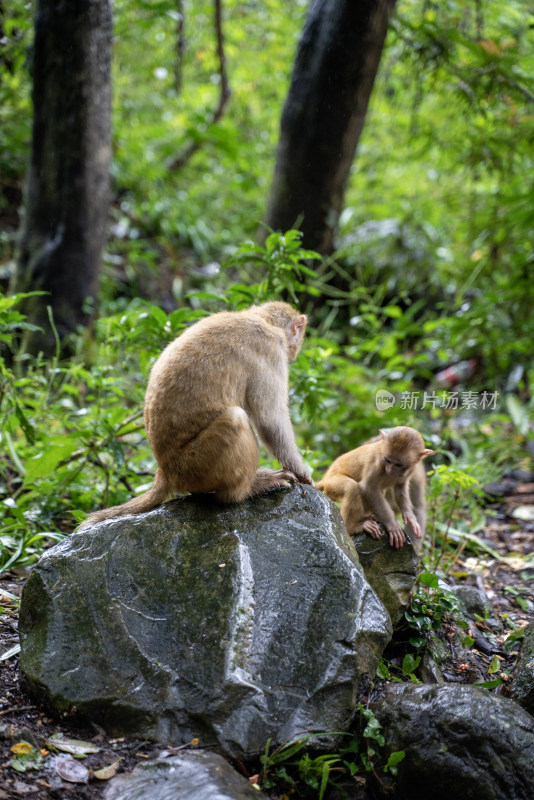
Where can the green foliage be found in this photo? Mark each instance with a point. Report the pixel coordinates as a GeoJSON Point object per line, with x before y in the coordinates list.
{"type": "Point", "coordinates": [155, 117]}
{"type": "Point", "coordinates": [295, 767]}
{"type": "Point", "coordinates": [73, 432]}
{"type": "Point", "coordinates": [15, 38]}
{"type": "Point", "coordinates": [449, 127]}
{"type": "Point", "coordinates": [27, 756]}
{"type": "Point", "coordinates": [282, 261]}
{"type": "Point", "coordinates": [455, 514]}
{"type": "Point", "coordinates": [431, 605]}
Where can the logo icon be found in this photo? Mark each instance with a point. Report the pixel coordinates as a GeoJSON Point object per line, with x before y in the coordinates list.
{"type": "Point", "coordinates": [384, 400]}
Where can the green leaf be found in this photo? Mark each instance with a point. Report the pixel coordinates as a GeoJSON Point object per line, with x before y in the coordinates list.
{"type": "Point", "coordinates": [44, 463]}
{"type": "Point", "coordinates": [373, 728]}
{"type": "Point", "coordinates": [324, 780]}
{"type": "Point", "coordinates": [429, 579]}
{"type": "Point", "coordinates": [513, 636]}
{"type": "Point", "coordinates": [417, 641]}
{"type": "Point", "coordinates": [382, 670]}
{"type": "Point", "coordinates": [518, 413]}
{"type": "Point", "coordinates": [495, 665]}
{"type": "Point", "coordinates": [410, 663]}
{"type": "Point", "coordinates": [27, 427]}
{"type": "Point", "coordinates": [395, 758]}
{"type": "Point", "coordinates": [489, 684]}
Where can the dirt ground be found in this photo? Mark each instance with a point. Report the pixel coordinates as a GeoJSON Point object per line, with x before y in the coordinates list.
{"type": "Point", "coordinates": [49, 773]}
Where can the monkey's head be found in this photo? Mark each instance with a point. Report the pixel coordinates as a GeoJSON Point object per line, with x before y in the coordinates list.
{"type": "Point", "coordinates": [286, 317]}
{"type": "Point", "coordinates": [402, 449]}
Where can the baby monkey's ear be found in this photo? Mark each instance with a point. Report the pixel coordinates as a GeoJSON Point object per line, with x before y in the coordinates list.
{"type": "Point", "coordinates": [426, 452]}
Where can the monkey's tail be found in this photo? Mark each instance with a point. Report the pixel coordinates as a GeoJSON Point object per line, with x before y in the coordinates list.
{"type": "Point", "coordinates": [146, 502]}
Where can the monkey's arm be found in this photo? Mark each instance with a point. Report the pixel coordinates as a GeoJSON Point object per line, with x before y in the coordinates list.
{"type": "Point", "coordinates": [270, 415]}
{"type": "Point", "coordinates": [278, 437]}
{"type": "Point", "coordinates": [417, 495]}
{"type": "Point", "coordinates": [374, 499]}
{"type": "Point", "coordinates": [402, 498]}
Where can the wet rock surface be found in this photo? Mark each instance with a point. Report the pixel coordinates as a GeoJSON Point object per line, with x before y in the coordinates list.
{"type": "Point", "coordinates": [233, 625]}
{"type": "Point", "coordinates": [459, 741]}
{"type": "Point", "coordinates": [391, 573]}
{"type": "Point", "coordinates": [522, 685]}
{"type": "Point", "coordinates": [475, 603]}
{"type": "Point", "coordinates": [188, 776]}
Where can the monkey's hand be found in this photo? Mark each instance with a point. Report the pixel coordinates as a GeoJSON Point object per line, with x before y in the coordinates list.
{"type": "Point", "coordinates": [396, 536]}
{"type": "Point", "coordinates": [372, 528]}
{"type": "Point", "coordinates": [410, 519]}
{"type": "Point", "coordinates": [284, 475]}
{"type": "Point", "coordinates": [301, 476]}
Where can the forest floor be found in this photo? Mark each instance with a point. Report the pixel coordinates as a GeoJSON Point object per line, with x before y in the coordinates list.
{"type": "Point", "coordinates": [52, 775]}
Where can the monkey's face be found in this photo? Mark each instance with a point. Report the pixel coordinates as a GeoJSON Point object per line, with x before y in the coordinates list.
{"type": "Point", "coordinates": [398, 465]}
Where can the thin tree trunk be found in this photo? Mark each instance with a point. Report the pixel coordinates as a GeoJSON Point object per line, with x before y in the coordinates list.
{"type": "Point", "coordinates": [335, 68]}
{"type": "Point", "coordinates": [64, 227]}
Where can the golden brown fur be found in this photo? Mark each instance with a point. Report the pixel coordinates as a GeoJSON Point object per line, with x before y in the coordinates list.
{"type": "Point", "coordinates": [207, 387]}
{"type": "Point", "coordinates": [361, 479]}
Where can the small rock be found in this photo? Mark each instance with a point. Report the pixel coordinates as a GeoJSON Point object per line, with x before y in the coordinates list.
{"type": "Point", "coordinates": [474, 601]}
{"type": "Point", "coordinates": [521, 686]}
{"type": "Point", "coordinates": [392, 573]}
{"type": "Point", "coordinates": [188, 776]}
{"type": "Point", "coordinates": [462, 741]}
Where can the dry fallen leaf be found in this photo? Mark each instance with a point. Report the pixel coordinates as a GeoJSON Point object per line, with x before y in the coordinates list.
{"type": "Point", "coordinates": [515, 561]}
{"type": "Point", "coordinates": [71, 770]}
{"type": "Point", "coordinates": [75, 747]}
{"type": "Point", "coordinates": [108, 772]}
{"type": "Point", "coordinates": [21, 788]}
{"type": "Point", "coordinates": [524, 513]}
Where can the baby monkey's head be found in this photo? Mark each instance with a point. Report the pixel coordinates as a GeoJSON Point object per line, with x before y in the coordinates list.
{"type": "Point", "coordinates": [402, 449]}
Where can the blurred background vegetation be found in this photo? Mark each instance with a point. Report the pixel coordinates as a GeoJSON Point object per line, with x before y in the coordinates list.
{"type": "Point", "coordinates": [434, 260]}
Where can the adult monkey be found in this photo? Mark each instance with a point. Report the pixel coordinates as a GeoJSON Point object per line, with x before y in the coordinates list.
{"type": "Point", "coordinates": [206, 388]}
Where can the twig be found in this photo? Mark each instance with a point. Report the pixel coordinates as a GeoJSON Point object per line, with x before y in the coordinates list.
{"type": "Point", "coordinates": [16, 710]}
{"type": "Point", "coordinates": [178, 161]}
{"type": "Point", "coordinates": [180, 47]}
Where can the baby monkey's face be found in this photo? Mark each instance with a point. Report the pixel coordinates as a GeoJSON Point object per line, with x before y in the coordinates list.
{"type": "Point", "coordinates": [397, 465]}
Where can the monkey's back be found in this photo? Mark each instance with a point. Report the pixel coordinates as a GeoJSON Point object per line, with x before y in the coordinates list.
{"type": "Point", "coordinates": [351, 464]}
{"type": "Point", "coordinates": [208, 368]}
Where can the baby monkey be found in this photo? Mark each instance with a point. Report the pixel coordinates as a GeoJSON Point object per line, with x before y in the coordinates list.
{"type": "Point", "coordinates": [360, 479]}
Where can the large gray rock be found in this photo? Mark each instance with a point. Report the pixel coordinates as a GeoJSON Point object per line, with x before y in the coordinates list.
{"type": "Point", "coordinates": [460, 741]}
{"type": "Point", "coordinates": [392, 573]}
{"type": "Point", "coordinates": [187, 776]}
{"type": "Point", "coordinates": [233, 625]}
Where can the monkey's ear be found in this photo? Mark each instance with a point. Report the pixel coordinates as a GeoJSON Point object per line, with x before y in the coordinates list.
{"type": "Point", "coordinates": [426, 452]}
{"type": "Point", "coordinates": [383, 434]}
{"type": "Point", "coordinates": [298, 324]}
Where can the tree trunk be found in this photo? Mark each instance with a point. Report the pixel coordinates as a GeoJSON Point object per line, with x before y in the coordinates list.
{"type": "Point", "coordinates": [67, 201]}
{"type": "Point", "coordinates": [336, 64]}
